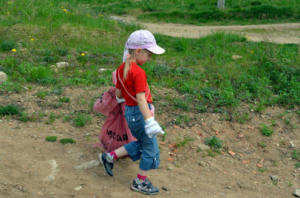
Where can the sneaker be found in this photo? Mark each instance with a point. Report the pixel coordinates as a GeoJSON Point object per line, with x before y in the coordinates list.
{"type": "Point", "coordinates": [107, 164]}
{"type": "Point", "coordinates": [145, 187]}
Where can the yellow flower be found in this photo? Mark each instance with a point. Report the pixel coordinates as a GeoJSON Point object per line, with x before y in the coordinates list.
{"type": "Point", "coordinates": [7, 12]}
{"type": "Point", "coordinates": [32, 39]}
{"type": "Point", "coordinates": [29, 36]}
{"type": "Point", "coordinates": [82, 54]}
{"type": "Point", "coordinates": [62, 7]}
{"type": "Point", "coordinates": [88, 15]}
{"type": "Point", "coordinates": [14, 50]}
{"type": "Point", "coordinates": [65, 10]}
{"type": "Point", "coordinates": [251, 52]}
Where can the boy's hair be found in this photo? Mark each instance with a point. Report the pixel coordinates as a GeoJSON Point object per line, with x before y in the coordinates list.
{"type": "Point", "coordinates": [128, 64]}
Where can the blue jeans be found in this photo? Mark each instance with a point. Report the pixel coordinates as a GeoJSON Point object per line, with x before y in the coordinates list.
{"type": "Point", "coordinates": [144, 148]}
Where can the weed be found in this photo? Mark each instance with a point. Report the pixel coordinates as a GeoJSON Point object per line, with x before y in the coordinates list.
{"type": "Point", "coordinates": [182, 119]}
{"type": "Point", "coordinates": [64, 99]}
{"type": "Point", "coordinates": [274, 183]}
{"type": "Point", "coordinates": [164, 136]}
{"type": "Point", "coordinates": [201, 108]}
{"type": "Point", "coordinates": [81, 120]}
{"type": "Point", "coordinates": [67, 118]}
{"type": "Point", "coordinates": [10, 110]}
{"type": "Point", "coordinates": [287, 121]}
{"type": "Point", "coordinates": [213, 152]}
{"type": "Point", "coordinates": [213, 142]}
{"type": "Point", "coordinates": [7, 45]}
{"type": "Point", "coordinates": [184, 141]}
{"type": "Point", "coordinates": [265, 130]}
{"type": "Point", "coordinates": [297, 165]}
{"type": "Point", "coordinates": [42, 94]}
{"type": "Point", "coordinates": [62, 51]}
{"type": "Point", "coordinates": [295, 154]}
{"type": "Point", "coordinates": [262, 170]}
{"type": "Point", "coordinates": [67, 140]}
{"type": "Point", "coordinates": [273, 123]}
{"type": "Point", "coordinates": [290, 184]}
{"type": "Point", "coordinates": [51, 138]}
{"type": "Point", "coordinates": [25, 117]}
{"type": "Point", "coordinates": [262, 144]}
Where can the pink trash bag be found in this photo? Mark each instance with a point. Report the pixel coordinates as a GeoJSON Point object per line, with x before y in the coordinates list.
{"type": "Point", "coordinates": [115, 132]}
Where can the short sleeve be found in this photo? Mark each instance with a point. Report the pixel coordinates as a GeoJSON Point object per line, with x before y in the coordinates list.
{"type": "Point", "coordinates": [140, 82]}
{"type": "Point", "coordinates": [118, 84]}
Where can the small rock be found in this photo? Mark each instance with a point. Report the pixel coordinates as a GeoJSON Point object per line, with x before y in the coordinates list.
{"type": "Point", "coordinates": [203, 147]}
{"type": "Point", "coordinates": [185, 190]}
{"type": "Point", "coordinates": [78, 188]}
{"type": "Point", "coordinates": [292, 144]}
{"type": "Point", "coordinates": [164, 188]}
{"type": "Point", "coordinates": [274, 177]}
{"type": "Point", "coordinates": [53, 66]}
{"type": "Point", "coordinates": [170, 168]}
{"type": "Point", "coordinates": [101, 70]}
{"type": "Point", "coordinates": [296, 192]}
{"type": "Point", "coordinates": [62, 64]}
{"type": "Point", "coordinates": [3, 77]}
{"type": "Point", "coordinates": [235, 57]}
{"type": "Point", "coordinates": [201, 163]}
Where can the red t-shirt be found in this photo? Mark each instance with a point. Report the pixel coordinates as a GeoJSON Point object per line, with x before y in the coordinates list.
{"type": "Point", "coordinates": [136, 82]}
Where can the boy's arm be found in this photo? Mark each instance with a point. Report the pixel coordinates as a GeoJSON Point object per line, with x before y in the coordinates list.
{"type": "Point", "coordinates": [143, 105]}
{"type": "Point", "coordinates": [119, 93]}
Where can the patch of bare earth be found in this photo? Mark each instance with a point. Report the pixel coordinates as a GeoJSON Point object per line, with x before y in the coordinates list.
{"type": "Point", "coordinates": [32, 167]}
{"type": "Point", "coordinates": [277, 33]}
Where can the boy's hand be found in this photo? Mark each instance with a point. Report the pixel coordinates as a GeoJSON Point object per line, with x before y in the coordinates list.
{"type": "Point", "coordinates": [152, 127]}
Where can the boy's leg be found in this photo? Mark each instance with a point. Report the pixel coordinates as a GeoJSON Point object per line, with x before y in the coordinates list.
{"type": "Point", "coordinates": [107, 159]}
{"type": "Point", "coordinates": [143, 185]}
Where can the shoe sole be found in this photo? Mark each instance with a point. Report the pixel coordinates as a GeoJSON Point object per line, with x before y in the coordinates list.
{"type": "Point", "coordinates": [146, 193]}
{"type": "Point", "coordinates": [101, 162]}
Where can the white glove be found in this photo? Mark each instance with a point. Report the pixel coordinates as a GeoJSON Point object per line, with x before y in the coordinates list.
{"type": "Point", "coordinates": [120, 100]}
{"type": "Point", "coordinates": [152, 128]}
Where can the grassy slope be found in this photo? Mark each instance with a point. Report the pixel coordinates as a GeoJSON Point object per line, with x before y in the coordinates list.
{"type": "Point", "coordinates": [205, 11]}
{"type": "Point", "coordinates": [201, 69]}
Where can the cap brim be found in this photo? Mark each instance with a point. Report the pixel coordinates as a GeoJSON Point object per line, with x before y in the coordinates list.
{"type": "Point", "coordinates": [156, 50]}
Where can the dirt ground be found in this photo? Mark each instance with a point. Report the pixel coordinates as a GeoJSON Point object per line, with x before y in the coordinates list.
{"type": "Point", "coordinates": [277, 33]}
{"type": "Point", "coordinates": [32, 167]}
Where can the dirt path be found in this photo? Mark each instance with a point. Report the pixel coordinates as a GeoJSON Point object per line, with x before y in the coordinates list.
{"type": "Point", "coordinates": [278, 33]}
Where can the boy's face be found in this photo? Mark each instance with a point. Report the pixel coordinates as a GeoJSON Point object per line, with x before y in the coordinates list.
{"type": "Point", "coordinates": [143, 56]}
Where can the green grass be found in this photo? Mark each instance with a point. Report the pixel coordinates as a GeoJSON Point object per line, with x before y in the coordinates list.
{"type": "Point", "coordinates": [266, 130]}
{"type": "Point", "coordinates": [213, 142]}
{"type": "Point", "coordinates": [51, 138]}
{"type": "Point", "coordinates": [205, 11]}
{"type": "Point", "coordinates": [202, 70]}
{"type": "Point", "coordinates": [67, 141]}
{"type": "Point", "coordinates": [9, 110]}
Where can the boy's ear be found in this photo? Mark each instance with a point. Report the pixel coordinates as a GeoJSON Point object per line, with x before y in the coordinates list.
{"type": "Point", "coordinates": [137, 51]}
